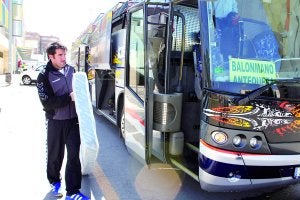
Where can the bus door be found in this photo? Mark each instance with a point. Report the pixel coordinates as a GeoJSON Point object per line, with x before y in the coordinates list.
{"type": "Point", "coordinates": [147, 106]}
{"type": "Point", "coordinates": [135, 101]}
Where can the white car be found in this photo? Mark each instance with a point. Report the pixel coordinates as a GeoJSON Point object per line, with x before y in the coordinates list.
{"type": "Point", "coordinates": [30, 75]}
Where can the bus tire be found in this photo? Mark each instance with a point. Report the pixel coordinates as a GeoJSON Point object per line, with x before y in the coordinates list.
{"type": "Point", "coordinates": [121, 119]}
{"type": "Point", "coordinates": [122, 125]}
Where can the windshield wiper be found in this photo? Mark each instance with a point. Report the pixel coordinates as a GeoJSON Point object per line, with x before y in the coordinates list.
{"type": "Point", "coordinates": [255, 93]}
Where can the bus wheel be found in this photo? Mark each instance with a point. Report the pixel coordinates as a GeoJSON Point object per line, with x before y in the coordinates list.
{"type": "Point", "coordinates": [122, 125]}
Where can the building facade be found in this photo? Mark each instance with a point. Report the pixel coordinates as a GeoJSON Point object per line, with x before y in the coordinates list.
{"type": "Point", "coordinates": [33, 48]}
{"type": "Point", "coordinates": [18, 46]}
{"type": "Point", "coordinates": [11, 27]}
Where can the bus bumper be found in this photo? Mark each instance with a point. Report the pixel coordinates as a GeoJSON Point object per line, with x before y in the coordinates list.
{"type": "Point", "coordinates": [221, 170]}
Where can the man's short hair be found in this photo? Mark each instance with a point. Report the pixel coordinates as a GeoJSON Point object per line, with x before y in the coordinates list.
{"type": "Point", "coordinates": [51, 49]}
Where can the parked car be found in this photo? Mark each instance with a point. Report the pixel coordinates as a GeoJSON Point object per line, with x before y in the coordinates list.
{"type": "Point", "coordinates": [30, 75]}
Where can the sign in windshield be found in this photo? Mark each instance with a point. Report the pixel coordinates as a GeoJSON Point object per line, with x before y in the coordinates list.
{"type": "Point", "coordinates": [251, 71]}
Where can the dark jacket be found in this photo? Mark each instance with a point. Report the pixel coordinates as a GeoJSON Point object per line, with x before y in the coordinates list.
{"type": "Point", "coordinates": [54, 90]}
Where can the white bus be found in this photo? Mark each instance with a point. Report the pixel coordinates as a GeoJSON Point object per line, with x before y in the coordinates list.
{"type": "Point", "coordinates": [213, 92]}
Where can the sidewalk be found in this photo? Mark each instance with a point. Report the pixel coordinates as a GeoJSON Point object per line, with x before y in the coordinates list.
{"type": "Point", "coordinates": [22, 143]}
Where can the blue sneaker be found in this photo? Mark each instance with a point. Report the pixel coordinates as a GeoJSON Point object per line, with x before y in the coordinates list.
{"type": "Point", "coordinates": [78, 196]}
{"type": "Point", "coordinates": [56, 189]}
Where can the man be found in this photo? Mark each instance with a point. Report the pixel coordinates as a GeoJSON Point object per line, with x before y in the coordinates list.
{"type": "Point", "coordinates": [226, 16]}
{"type": "Point", "coordinates": [54, 86]}
{"type": "Point", "coordinates": [223, 7]}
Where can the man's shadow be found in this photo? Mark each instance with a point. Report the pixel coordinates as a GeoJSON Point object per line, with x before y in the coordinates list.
{"type": "Point", "coordinates": [49, 196]}
{"type": "Point", "coordinates": [90, 187]}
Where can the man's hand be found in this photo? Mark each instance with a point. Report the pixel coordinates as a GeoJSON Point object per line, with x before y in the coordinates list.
{"type": "Point", "coordinates": [72, 96]}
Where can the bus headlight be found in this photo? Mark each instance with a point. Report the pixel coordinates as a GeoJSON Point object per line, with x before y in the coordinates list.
{"type": "Point", "coordinates": [255, 142]}
{"type": "Point", "coordinates": [239, 141]}
{"type": "Point", "coordinates": [235, 140]}
{"type": "Point", "coordinates": [219, 137]}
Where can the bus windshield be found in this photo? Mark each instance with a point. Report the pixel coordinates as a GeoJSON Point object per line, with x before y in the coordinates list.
{"type": "Point", "coordinates": [251, 42]}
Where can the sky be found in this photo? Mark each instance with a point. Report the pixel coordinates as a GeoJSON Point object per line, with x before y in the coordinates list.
{"type": "Point", "coordinates": [65, 19]}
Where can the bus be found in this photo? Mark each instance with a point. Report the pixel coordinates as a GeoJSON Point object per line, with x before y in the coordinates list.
{"type": "Point", "coordinates": [211, 88]}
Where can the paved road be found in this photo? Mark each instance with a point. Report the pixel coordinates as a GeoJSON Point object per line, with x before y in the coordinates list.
{"type": "Point", "coordinates": [117, 175]}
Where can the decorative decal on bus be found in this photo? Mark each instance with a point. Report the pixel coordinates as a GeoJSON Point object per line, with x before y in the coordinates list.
{"type": "Point", "coordinates": [294, 127]}
{"type": "Point", "coordinates": [251, 71]}
{"type": "Point", "coordinates": [135, 115]}
{"type": "Point", "coordinates": [258, 117]}
{"type": "Point", "coordinates": [118, 74]}
{"type": "Point", "coordinates": [116, 59]}
{"type": "Point", "coordinates": [293, 108]}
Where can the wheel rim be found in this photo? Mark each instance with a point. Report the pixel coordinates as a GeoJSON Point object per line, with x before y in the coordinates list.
{"type": "Point", "coordinates": [122, 127]}
{"type": "Point", "coordinates": [26, 80]}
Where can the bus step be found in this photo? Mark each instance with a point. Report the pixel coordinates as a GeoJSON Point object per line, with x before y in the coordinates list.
{"type": "Point", "coordinates": [184, 169]}
{"type": "Point", "coordinates": [107, 115]}
{"type": "Point", "coordinates": [192, 147]}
